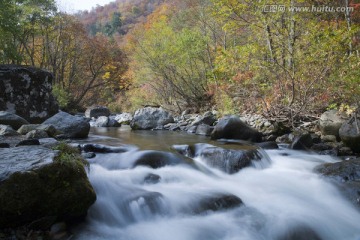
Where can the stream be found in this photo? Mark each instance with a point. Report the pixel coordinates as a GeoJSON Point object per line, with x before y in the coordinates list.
{"type": "Point", "coordinates": [282, 197]}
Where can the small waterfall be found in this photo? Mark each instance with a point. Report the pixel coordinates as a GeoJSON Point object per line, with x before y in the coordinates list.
{"type": "Point", "coordinates": [264, 162]}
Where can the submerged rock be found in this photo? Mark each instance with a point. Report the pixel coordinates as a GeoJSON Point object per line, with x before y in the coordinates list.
{"type": "Point", "coordinates": [223, 158]}
{"type": "Point", "coordinates": [88, 155]}
{"type": "Point", "coordinates": [268, 145]}
{"type": "Point", "coordinates": [99, 148]}
{"type": "Point", "coordinates": [229, 160]}
{"type": "Point", "coordinates": [152, 178]}
{"type": "Point", "coordinates": [301, 232]}
{"type": "Point", "coordinates": [218, 202]}
{"type": "Point", "coordinates": [156, 159]}
{"type": "Point", "coordinates": [37, 182]}
{"type": "Point", "coordinates": [347, 174]}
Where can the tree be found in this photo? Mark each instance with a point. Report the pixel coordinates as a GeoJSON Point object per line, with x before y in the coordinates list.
{"type": "Point", "coordinates": [175, 59]}
{"type": "Point", "coordinates": [284, 61]}
{"type": "Point", "coordinates": [85, 67]}
{"type": "Point", "coordinates": [116, 21]}
{"type": "Point", "coordinates": [20, 22]}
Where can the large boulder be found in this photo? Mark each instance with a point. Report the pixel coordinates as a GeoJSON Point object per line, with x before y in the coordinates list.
{"type": "Point", "coordinates": [12, 120]}
{"type": "Point", "coordinates": [331, 121]}
{"type": "Point", "coordinates": [350, 134]}
{"type": "Point", "coordinates": [97, 111]}
{"type": "Point", "coordinates": [149, 118]}
{"type": "Point", "coordinates": [231, 127]}
{"type": "Point", "coordinates": [347, 175]}
{"type": "Point", "coordinates": [229, 159]}
{"type": "Point", "coordinates": [26, 91]}
{"type": "Point", "coordinates": [39, 183]}
{"type": "Point", "coordinates": [71, 126]}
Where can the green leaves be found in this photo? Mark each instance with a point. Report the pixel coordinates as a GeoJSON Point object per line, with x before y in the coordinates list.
{"type": "Point", "coordinates": [19, 21]}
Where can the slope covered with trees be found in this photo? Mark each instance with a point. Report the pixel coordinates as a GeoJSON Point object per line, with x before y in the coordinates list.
{"type": "Point", "coordinates": [238, 57]}
{"type": "Point", "coordinates": [87, 69]}
{"type": "Point", "coordinates": [231, 55]}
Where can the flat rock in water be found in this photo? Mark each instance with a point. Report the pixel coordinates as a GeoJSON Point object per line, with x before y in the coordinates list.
{"type": "Point", "coordinates": [22, 159]}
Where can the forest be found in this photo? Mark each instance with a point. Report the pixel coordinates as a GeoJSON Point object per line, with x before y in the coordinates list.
{"type": "Point", "coordinates": [283, 59]}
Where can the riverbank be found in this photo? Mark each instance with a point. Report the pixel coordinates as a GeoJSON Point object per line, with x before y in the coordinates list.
{"type": "Point", "coordinates": [247, 138]}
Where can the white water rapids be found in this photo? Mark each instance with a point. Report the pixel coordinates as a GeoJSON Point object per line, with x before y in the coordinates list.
{"type": "Point", "coordinates": [280, 201]}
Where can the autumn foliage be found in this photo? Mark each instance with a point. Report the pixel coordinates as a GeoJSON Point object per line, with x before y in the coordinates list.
{"type": "Point", "coordinates": [228, 55]}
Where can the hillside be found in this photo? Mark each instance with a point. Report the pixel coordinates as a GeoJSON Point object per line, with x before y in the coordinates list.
{"type": "Point", "coordinates": [118, 17]}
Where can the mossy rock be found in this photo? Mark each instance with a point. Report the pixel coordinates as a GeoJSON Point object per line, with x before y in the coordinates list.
{"type": "Point", "coordinates": [54, 184]}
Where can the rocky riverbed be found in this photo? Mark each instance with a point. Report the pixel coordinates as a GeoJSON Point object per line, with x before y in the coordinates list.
{"type": "Point", "coordinates": [44, 185]}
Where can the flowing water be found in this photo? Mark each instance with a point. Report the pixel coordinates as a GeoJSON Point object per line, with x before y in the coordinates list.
{"type": "Point", "coordinates": [282, 200]}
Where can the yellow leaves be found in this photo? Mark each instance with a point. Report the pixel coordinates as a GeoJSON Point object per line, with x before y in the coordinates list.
{"type": "Point", "coordinates": [106, 76]}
